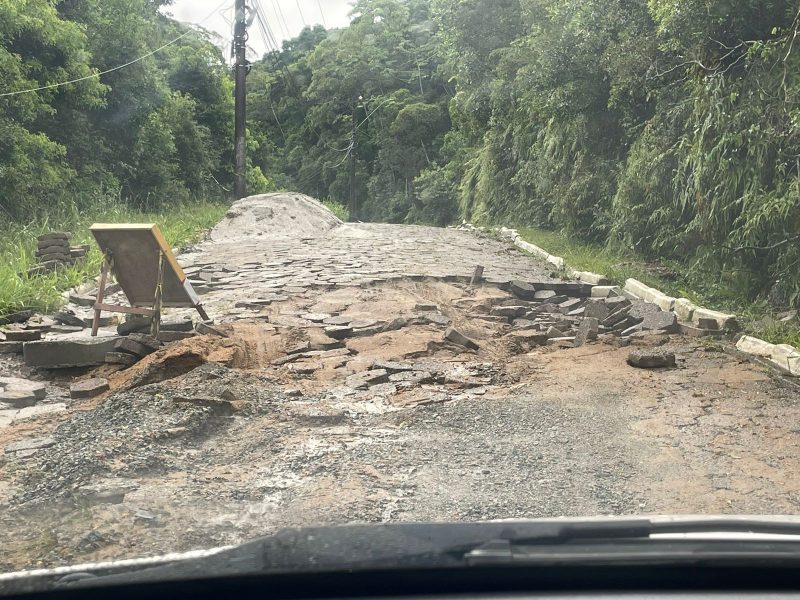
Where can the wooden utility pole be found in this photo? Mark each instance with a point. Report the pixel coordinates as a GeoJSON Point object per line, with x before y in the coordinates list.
{"type": "Point", "coordinates": [240, 141]}
{"type": "Point", "coordinates": [353, 196]}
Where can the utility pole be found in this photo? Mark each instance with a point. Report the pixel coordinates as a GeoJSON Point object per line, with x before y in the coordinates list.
{"type": "Point", "coordinates": [240, 140]}
{"type": "Point", "coordinates": [353, 198]}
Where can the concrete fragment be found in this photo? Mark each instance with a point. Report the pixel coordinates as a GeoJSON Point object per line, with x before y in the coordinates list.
{"type": "Point", "coordinates": [121, 358]}
{"type": "Point", "coordinates": [30, 445]}
{"type": "Point", "coordinates": [82, 299]}
{"type": "Point", "coordinates": [183, 324]}
{"type": "Point", "coordinates": [435, 318]}
{"type": "Point", "coordinates": [134, 324]}
{"type": "Point", "coordinates": [784, 356]}
{"type": "Point", "coordinates": [577, 312]}
{"type": "Point", "coordinates": [55, 354]}
{"type": "Point", "coordinates": [10, 347]}
{"type": "Point", "coordinates": [604, 291]}
{"type": "Point", "coordinates": [425, 307]}
{"type": "Point", "coordinates": [508, 311]}
{"type": "Point", "coordinates": [338, 332]}
{"type": "Point", "coordinates": [174, 336]}
{"type": "Point", "coordinates": [544, 294]}
{"type": "Point", "coordinates": [640, 310]}
{"type": "Point", "coordinates": [146, 340]}
{"type": "Point", "coordinates": [522, 290]}
{"type": "Point", "coordinates": [68, 317]}
{"type": "Point", "coordinates": [723, 320]}
{"type": "Point", "coordinates": [392, 366]}
{"type": "Point", "coordinates": [88, 388]}
{"type": "Point", "coordinates": [663, 321]}
{"type": "Point", "coordinates": [587, 331]}
{"type": "Point", "coordinates": [411, 378]}
{"type": "Point", "coordinates": [207, 328]}
{"type": "Point", "coordinates": [640, 291]}
{"type": "Point", "coordinates": [105, 491]}
{"type": "Point", "coordinates": [131, 346]}
{"type": "Point", "coordinates": [22, 335]}
{"type": "Point", "coordinates": [455, 336]}
{"type": "Point", "coordinates": [570, 304]}
{"type": "Point", "coordinates": [631, 330]}
{"type": "Point", "coordinates": [649, 338]}
{"type": "Point", "coordinates": [693, 331]}
{"type": "Point", "coordinates": [597, 309]}
{"type": "Point", "coordinates": [684, 308]}
{"type": "Point", "coordinates": [552, 332]}
{"type": "Point", "coordinates": [706, 323]}
{"type": "Point", "coordinates": [651, 358]}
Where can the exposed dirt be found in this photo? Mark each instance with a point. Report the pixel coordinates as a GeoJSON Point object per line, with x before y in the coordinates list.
{"type": "Point", "coordinates": [218, 439]}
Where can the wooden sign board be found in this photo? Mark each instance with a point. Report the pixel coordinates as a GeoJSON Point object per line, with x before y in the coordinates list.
{"type": "Point", "coordinates": [135, 251]}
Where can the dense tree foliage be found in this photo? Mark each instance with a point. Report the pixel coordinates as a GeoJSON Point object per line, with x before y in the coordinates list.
{"type": "Point", "coordinates": [664, 126]}
{"type": "Point", "coordinates": [157, 130]}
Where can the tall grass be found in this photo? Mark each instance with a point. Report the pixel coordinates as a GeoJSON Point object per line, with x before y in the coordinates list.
{"type": "Point", "coordinates": [180, 224]}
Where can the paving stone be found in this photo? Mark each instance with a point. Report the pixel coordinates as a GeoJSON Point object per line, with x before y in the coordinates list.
{"type": "Point", "coordinates": [105, 491]}
{"type": "Point", "coordinates": [545, 295]}
{"type": "Point", "coordinates": [411, 378]}
{"type": "Point", "coordinates": [587, 331]}
{"type": "Point", "coordinates": [338, 332]}
{"type": "Point", "coordinates": [175, 336]}
{"type": "Point", "coordinates": [522, 290]}
{"type": "Point", "coordinates": [338, 320]}
{"type": "Point", "coordinates": [55, 354]}
{"type": "Point", "coordinates": [434, 318]}
{"type": "Point", "coordinates": [526, 339]}
{"type": "Point", "coordinates": [121, 358]}
{"type": "Point", "coordinates": [597, 309]}
{"type": "Point", "coordinates": [616, 317]}
{"type": "Point", "coordinates": [651, 358]}
{"type": "Point", "coordinates": [649, 338]}
{"type": "Point", "coordinates": [425, 307]}
{"type": "Point", "coordinates": [509, 311]}
{"type": "Point", "coordinates": [179, 324]}
{"type": "Point", "coordinates": [642, 309]}
{"type": "Point", "coordinates": [577, 312]}
{"type": "Point", "coordinates": [394, 324]}
{"type": "Point", "coordinates": [66, 329]}
{"type": "Point", "coordinates": [17, 317]}
{"type": "Point", "coordinates": [88, 388]}
{"type": "Point", "coordinates": [315, 317]}
{"type": "Point", "coordinates": [664, 321]}
{"type": "Point", "coordinates": [208, 329]}
{"type": "Point", "coordinates": [692, 331]}
{"type": "Point", "coordinates": [68, 317]}
{"type": "Point", "coordinates": [145, 340]}
{"type": "Point", "coordinates": [133, 325]}
{"type": "Point", "coordinates": [455, 336]}
{"type": "Point", "coordinates": [30, 445]}
{"type": "Point", "coordinates": [53, 235]}
{"type": "Point", "coordinates": [82, 299]}
{"type": "Point", "coordinates": [552, 332]}
{"type": "Point", "coordinates": [10, 347]}
{"type": "Point", "coordinates": [562, 342]}
{"type": "Point", "coordinates": [131, 346]}
{"type": "Point", "coordinates": [392, 366]}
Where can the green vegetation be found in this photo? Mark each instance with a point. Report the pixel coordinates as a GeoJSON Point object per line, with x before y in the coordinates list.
{"type": "Point", "coordinates": [181, 224]}
{"type": "Point", "coordinates": [338, 209]}
{"type": "Point", "coordinates": [665, 129]}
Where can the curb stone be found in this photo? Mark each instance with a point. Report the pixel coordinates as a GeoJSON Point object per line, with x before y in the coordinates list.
{"type": "Point", "coordinates": [783, 356]}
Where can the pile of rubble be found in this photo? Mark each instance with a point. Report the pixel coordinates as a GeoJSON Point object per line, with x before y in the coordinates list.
{"type": "Point", "coordinates": [54, 251]}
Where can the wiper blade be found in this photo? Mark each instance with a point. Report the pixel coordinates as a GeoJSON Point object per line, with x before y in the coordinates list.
{"type": "Point", "coordinates": [645, 528]}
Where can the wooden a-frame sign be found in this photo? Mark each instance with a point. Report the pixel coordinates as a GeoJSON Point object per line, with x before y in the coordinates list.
{"type": "Point", "coordinates": [145, 269]}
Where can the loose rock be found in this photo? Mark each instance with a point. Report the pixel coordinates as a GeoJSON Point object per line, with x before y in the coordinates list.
{"type": "Point", "coordinates": [88, 388]}
{"type": "Point", "coordinates": [455, 336]}
{"type": "Point", "coordinates": [651, 358]}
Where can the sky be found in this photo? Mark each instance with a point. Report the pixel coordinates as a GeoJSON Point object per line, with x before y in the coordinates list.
{"type": "Point", "coordinates": [286, 18]}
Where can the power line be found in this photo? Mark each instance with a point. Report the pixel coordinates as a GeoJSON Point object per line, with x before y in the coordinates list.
{"type": "Point", "coordinates": [300, 10]}
{"type": "Point", "coordinates": [322, 14]}
{"type": "Point", "coordinates": [117, 68]}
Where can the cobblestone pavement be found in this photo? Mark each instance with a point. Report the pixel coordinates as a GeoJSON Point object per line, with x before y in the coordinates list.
{"type": "Point", "coordinates": [241, 263]}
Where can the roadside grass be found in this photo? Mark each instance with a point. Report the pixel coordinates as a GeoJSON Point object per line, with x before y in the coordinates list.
{"type": "Point", "coordinates": [338, 209]}
{"type": "Point", "coordinates": [671, 278]}
{"type": "Point", "coordinates": [181, 224]}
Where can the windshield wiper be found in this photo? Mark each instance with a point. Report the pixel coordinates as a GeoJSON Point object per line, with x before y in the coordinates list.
{"type": "Point", "coordinates": [645, 540]}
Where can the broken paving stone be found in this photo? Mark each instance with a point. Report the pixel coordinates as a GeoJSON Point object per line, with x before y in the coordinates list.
{"type": "Point", "coordinates": [89, 388]}
{"type": "Point", "coordinates": [394, 324]}
{"type": "Point", "coordinates": [305, 368]}
{"type": "Point", "coordinates": [10, 347]}
{"type": "Point", "coordinates": [121, 358]}
{"type": "Point", "coordinates": [337, 320]}
{"type": "Point", "coordinates": [367, 331]}
{"type": "Point", "coordinates": [597, 309]}
{"type": "Point", "coordinates": [22, 335]}
{"type": "Point", "coordinates": [661, 321]}
{"type": "Point", "coordinates": [435, 319]}
{"type": "Point", "coordinates": [28, 447]}
{"type": "Point", "coordinates": [392, 366]}
{"type": "Point", "coordinates": [133, 325]}
{"type": "Point", "coordinates": [207, 328]}
{"type": "Point", "coordinates": [181, 324]}
{"type": "Point", "coordinates": [692, 331]}
{"type": "Point", "coordinates": [702, 323]}
{"type": "Point", "coordinates": [649, 338]}
{"type": "Point", "coordinates": [365, 379]}
{"type": "Point", "coordinates": [411, 378]}
{"type": "Point", "coordinates": [631, 330]}
{"type": "Point", "coordinates": [174, 336]}
{"type": "Point", "coordinates": [455, 336]}
{"type": "Point", "coordinates": [65, 329]}
{"type": "Point", "coordinates": [82, 299]}
{"type": "Point", "coordinates": [587, 331]}
{"type": "Point", "coordinates": [68, 317]}
{"type": "Point", "coordinates": [56, 354]}
{"type": "Point", "coordinates": [651, 358]}
{"type": "Point", "coordinates": [545, 295]}
{"type": "Point", "coordinates": [525, 324]}
{"type": "Point", "coordinates": [315, 317]}
{"type": "Point", "coordinates": [338, 332]}
{"type": "Point", "coordinates": [509, 311]}
{"type": "Point", "coordinates": [131, 346]}
{"type": "Point", "coordinates": [522, 290]}
{"type": "Point", "coordinates": [577, 312]}
{"type": "Point", "coordinates": [298, 348]}
{"type": "Point", "coordinates": [317, 414]}
{"type": "Point", "coordinates": [617, 316]}
{"type": "Point", "coordinates": [562, 342]}
{"type": "Point", "coordinates": [617, 301]}
{"type": "Point", "coordinates": [146, 340]}
{"type": "Point", "coordinates": [425, 307]}
{"type": "Point", "coordinates": [105, 491]}
{"type": "Point", "coordinates": [553, 332]}
{"type": "Point", "coordinates": [570, 304]}
{"type": "Point", "coordinates": [642, 309]}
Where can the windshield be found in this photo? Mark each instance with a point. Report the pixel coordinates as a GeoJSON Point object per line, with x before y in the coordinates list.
{"type": "Point", "coordinates": [291, 263]}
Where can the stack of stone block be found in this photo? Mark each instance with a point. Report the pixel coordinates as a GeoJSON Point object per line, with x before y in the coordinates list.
{"type": "Point", "coordinates": [54, 251]}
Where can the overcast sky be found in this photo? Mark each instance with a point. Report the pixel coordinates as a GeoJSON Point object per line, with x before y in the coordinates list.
{"type": "Point", "coordinates": [285, 17]}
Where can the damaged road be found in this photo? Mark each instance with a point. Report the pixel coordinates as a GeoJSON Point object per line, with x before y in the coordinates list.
{"type": "Point", "coordinates": [353, 373]}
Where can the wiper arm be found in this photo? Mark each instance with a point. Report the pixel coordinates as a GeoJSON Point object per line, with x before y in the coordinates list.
{"type": "Point", "coordinates": [645, 528]}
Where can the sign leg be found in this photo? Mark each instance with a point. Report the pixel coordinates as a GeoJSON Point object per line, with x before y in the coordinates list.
{"type": "Point", "coordinates": [101, 290]}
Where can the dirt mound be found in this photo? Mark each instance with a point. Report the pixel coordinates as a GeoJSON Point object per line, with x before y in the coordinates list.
{"type": "Point", "coordinates": [275, 215]}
